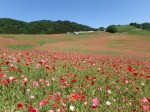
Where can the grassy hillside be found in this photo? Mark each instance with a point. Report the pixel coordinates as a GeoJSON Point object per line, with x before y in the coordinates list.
{"type": "Point", "coordinates": [95, 43]}
{"type": "Point", "coordinates": [128, 29]}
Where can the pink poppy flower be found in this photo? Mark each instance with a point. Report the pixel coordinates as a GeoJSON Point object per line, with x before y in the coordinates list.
{"type": "Point", "coordinates": [95, 102]}
{"type": "Point", "coordinates": [35, 83]}
{"type": "Point", "coordinates": [43, 102]}
{"type": "Point", "coordinates": [144, 107]}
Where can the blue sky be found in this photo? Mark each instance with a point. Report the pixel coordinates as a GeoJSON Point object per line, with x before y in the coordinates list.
{"type": "Point", "coordinates": [94, 13]}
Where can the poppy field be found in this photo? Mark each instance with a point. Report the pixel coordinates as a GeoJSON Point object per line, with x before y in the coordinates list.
{"type": "Point", "coordinates": [100, 43]}
{"type": "Point", "coordinates": [42, 81]}
{"type": "Point", "coordinates": [40, 78]}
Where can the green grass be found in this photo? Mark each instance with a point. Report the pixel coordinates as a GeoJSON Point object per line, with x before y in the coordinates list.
{"type": "Point", "coordinates": [42, 39]}
{"type": "Point", "coordinates": [116, 43]}
{"type": "Point", "coordinates": [128, 29]}
{"type": "Point", "coordinates": [20, 46]}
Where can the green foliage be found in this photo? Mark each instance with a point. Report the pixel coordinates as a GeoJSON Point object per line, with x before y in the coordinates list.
{"type": "Point", "coordinates": [111, 29]}
{"type": "Point", "coordinates": [40, 27]}
{"type": "Point", "coordinates": [101, 29]}
{"type": "Point", "coordinates": [11, 26]}
{"type": "Point", "coordinates": [146, 26]}
{"type": "Point", "coordinates": [136, 25]}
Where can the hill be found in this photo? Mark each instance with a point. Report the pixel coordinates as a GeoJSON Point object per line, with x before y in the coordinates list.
{"type": "Point", "coordinates": [12, 26]}
{"type": "Point", "coordinates": [97, 43]}
{"type": "Point", "coordinates": [129, 29]}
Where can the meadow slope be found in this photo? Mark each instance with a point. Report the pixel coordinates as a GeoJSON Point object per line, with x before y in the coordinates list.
{"type": "Point", "coordinates": [99, 72]}
{"type": "Point", "coordinates": [101, 43]}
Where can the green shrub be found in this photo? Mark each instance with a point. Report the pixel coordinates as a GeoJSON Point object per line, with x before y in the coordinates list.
{"type": "Point", "coordinates": [101, 29]}
{"type": "Point", "coordinates": [111, 29]}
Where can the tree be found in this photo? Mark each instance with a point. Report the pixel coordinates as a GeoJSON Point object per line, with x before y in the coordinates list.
{"type": "Point", "coordinates": [101, 29]}
{"type": "Point", "coordinates": [136, 25]}
{"type": "Point", "coordinates": [111, 29]}
{"type": "Point", "coordinates": [146, 26]}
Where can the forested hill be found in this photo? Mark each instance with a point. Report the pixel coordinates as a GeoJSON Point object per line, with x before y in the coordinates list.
{"type": "Point", "coordinates": [12, 26]}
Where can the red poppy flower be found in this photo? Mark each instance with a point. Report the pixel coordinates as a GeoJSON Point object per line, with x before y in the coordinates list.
{"type": "Point", "coordinates": [20, 105]}
{"type": "Point", "coordinates": [31, 109]}
{"type": "Point", "coordinates": [1, 75]}
{"type": "Point", "coordinates": [6, 81]}
{"type": "Point", "coordinates": [56, 98]}
{"type": "Point", "coordinates": [148, 77]}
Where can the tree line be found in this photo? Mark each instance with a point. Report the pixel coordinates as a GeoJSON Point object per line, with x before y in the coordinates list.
{"type": "Point", "coordinates": [12, 26]}
{"type": "Point", "coordinates": [113, 28]}
{"type": "Point", "coordinates": [145, 26]}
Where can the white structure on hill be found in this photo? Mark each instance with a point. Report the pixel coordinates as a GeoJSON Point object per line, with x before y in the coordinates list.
{"type": "Point", "coordinates": [83, 32]}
